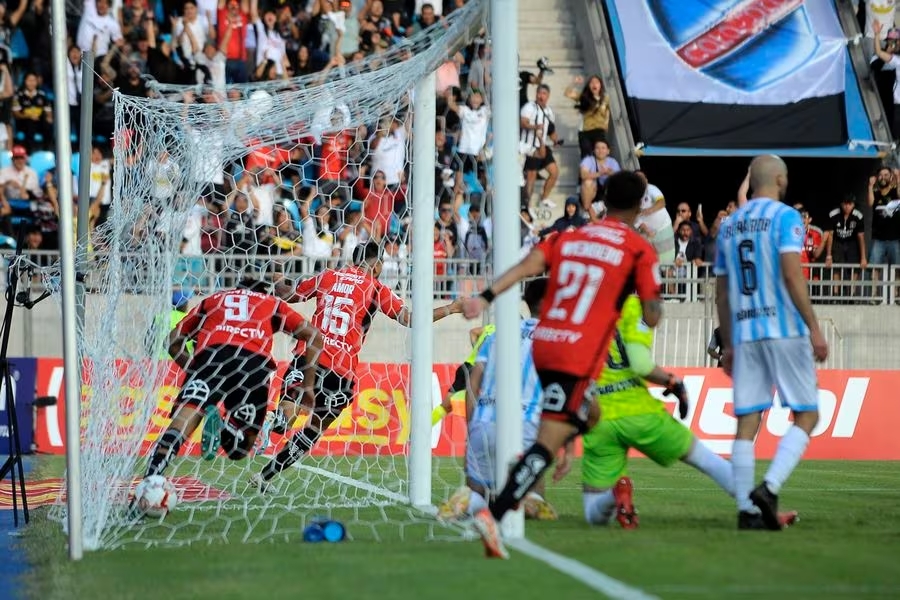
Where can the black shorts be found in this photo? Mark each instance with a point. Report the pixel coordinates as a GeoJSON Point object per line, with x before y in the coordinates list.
{"type": "Point", "coordinates": [236, 377]}
{"type": "Point", "coordinates": [536, 162]}
{"type": "Point", "coordinates": [471, 164]}
{"type": "Point", "coordinates": [332, 392]}
{"type": "Point", "coordinates": [567, 398]}
{"type": "Point", "coordinates": [461, 379]}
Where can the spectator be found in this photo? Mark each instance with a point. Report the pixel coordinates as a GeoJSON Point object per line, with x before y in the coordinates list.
{"type": "Point", "coordinates": [571, 219]}
{"type": "Point", "coordinates": [46, 213]}
{"type": "Point", "coordinates": [884, 66]}
{"type": "Point", "coordinates": [880, 16]}
{"type": "Point", "coordinates": [688, 249]}
{"type": "Point", "coordinates": [7, 92]}
{"type": "Point", "coordinates": [34, 239]}
{"type": "Point", "coordinates": [35, 26]}
{"type": "Point", "coordinates": [594, 171]}
{"type": "Point", "coordinates": [270, 46]}
{"type": "Point", "coordinates": [192, 30]}
{"type": "Point", "coordinates": [19, 181]}
{"type": "Point", "coordinates": [286, 239]}
{"type": "Point", "coordinates": [527, 78]}
{"type": "Point", "coordinates": [885, 226]}
{"type": "Point", "coordinates": [354, 232]}
{"type": "Point", "coordinates": [593, 105]}
{"type": "Point", "coordinates": [350, 38]}
{"type": "Point", "coordinates": [443, 251]}
{"type": "Point", "coordinates": [476, 242]}
{"type": "Point", "coordinates": [445, 166]}
{"type": "Point", "coordinates": [480, 70]}
{"type": "Point", "coordinates": [684, 214]}
{"type": "Point", "coordinates": [813, 244]}
{"type": "Point", "coordinates": [448, 221]}
{"type": "Point", "coordinates": [846, 244]}
{"type": "Point", "coordinates": [318, 240]}
{"type": "Point", "coordinates": [378, 205]}
{"type": "Point", "coordinates": [474, 117]}
{"type": "Point", "coordinates": [99, 29]}
{"type": "Point", "coordinates": [538, 132]}
{"type": "Point", "coordinates": [100, 189]}
{"type": "Point", "coordinates": [261, 185]}
{"type": "Point", "coordinates": [232, 22]}
{"type": "Point", "coordinates": [161, 63]}
{"type": "Point", "coordinates": [655, 224]}
{"type": "Point", "coordinates": [426, 16]}
{"type": "Point", "coordinates": [387, 149]}
{"type": "Point", "coordinates": [34, 114]}
{"type": "Point", "coordinates": [134, 18]}
{"type": "Point", "coordinates": [74, 72]}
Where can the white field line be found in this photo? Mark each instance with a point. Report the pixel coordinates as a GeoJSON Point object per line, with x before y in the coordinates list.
{"type": "Point", "coordinates": [606, 585]}
{"type": "Point", "coordinates": [373, 489]}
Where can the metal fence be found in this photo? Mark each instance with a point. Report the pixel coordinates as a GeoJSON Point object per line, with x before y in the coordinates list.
{"type": "Point", "coordinates": [831, 284]}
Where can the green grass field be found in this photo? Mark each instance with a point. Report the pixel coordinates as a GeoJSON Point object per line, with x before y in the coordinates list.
{"type": "Point", "coordinates": [847, 545]}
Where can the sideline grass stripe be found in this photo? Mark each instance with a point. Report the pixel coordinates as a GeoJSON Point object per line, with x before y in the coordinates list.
{"type": "Point", "coordinates": [606, 585]}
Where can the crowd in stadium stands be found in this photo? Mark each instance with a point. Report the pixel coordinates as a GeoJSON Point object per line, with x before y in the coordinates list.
{"type": "Point", "coordinates": [325, 195]}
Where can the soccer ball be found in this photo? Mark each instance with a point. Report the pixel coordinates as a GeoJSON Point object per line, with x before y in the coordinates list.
{"type": "Point", "coordinates": [155, 496]}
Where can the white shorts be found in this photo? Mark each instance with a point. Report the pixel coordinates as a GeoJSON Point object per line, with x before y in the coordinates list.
{"type": "Point", "coordinates": [480, 451]}
{"type": "Point", "coordinates": [785, 365]}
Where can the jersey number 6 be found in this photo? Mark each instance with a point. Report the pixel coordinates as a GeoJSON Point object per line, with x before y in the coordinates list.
{"type": "Point", "coordinates": [748, 267]}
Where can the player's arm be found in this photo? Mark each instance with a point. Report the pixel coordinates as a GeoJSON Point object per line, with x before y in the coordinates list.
{"type": "Point", "coordinates": [648, 284]}
{"type": "Point", "coordinates": [474, 334]}
{"type": "Point", "coordinates": [535, 263]}
{"type": "Point", "coordinates": [298, 292]}
{"type": "Point", "coordinates": [404, 314]}
{"type": "Point", "coordinates": [473, 389]}
{"type": "Point", "coordinates": [291, 323]}
{"type": "Point", "coordinates": [713, 347]}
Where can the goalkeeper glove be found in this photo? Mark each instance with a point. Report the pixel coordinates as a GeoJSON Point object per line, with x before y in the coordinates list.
{"type": "Point", "coordinates": [676, 387]}
{"type": "Point", "coordinates": [437, 414]}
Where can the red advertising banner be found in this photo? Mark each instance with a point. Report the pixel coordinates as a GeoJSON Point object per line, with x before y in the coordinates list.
{"type": "Point", "coordinates": [856, 408]}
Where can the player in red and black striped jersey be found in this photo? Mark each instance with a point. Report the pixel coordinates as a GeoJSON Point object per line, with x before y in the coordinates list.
{"type": "Point", "coordinates": [347, 300]}
{"type": "Point", "coordinates": [232, 363]}
{"type": "Point", "coordinates": [592, 271]}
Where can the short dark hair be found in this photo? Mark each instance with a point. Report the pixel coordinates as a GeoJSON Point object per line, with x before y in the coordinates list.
{"type": "Point", "coordinates": [624, 191]}
{"type": "Point", "coordinates": [849, 198]}
{"type": "Point", "coordinates": [534, 293]}
{"type": "Point", "coordinates": [248, 282]}
{"type": "Point", "coordinates": [366, 252]}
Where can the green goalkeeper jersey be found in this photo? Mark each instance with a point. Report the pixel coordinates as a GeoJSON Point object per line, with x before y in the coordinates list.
{"type": "Point", "coordinates": [620, 391]}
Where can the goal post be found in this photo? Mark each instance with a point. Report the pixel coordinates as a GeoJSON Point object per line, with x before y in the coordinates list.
{"type": "Point", "coordinates": [422, 362]}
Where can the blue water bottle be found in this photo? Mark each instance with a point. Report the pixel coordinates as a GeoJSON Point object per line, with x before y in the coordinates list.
{"type": "Point", "coordinates": [334, 531]}
{"type": "Point", "coordinates": [314, 532]}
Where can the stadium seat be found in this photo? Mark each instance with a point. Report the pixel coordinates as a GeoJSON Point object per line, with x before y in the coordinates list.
{"type": "Point", "coordinates": [42, 162]}
{"type": "Point", "coordinates": [291, 207]}
{"type": "Point", "coordinates": [5, 158]}
{"type": "Point", "coordinates": [76, 164]}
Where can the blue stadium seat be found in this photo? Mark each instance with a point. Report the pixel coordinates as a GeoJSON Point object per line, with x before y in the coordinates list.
{"type": "Point", "coordinates": [42, 162]}
{"type": "Point", "coordinates": [76, 164]}
{"type": "Point", "coordinates": [291, 207]}
{"type": "Point", "coordinates": [5, 158]}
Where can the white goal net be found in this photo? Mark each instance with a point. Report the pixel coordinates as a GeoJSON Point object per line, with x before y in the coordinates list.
{"type": "Point", "coordinates": [277, 179]}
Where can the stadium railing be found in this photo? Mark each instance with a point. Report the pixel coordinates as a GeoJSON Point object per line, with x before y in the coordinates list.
{"type": "Point", "coordinates": [688, 283]}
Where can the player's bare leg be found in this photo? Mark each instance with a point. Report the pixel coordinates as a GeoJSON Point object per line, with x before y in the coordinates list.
{"type": "Point", "coordinates": [184, 422]}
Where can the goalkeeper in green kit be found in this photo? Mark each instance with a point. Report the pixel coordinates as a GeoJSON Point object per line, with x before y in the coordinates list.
{"type": "Point", "coordinates": [632, 418]}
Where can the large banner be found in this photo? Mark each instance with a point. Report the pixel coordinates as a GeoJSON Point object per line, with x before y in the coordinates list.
{"type": "Point", "coordinates": [857, 411]}
{"type": "Point", "coordinates": [733, 73]}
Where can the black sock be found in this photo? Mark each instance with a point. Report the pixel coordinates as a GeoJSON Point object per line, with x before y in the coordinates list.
{"type": "Point", "coordinates": [522, 478]}
{"type": "Point", "coordinates": [296, 447]}
{"type": "Point", "coordinates": [167, 446]}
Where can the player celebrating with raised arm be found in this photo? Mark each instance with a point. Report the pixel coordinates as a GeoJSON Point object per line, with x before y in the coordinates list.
{"type": "Point", "coordinates": [232, 362]}
{"type": "Point", "coordinates": [633, 418]}
{"type": "Point", "coordinates": [347, 300]}
{"type": "Point", "coordinates": [767, 324]}
{"type": "Point", "coordinates": [592, 271]}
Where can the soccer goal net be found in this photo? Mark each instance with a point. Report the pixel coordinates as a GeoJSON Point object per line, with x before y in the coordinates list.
{"type": "Point", "coordinates": [278, 179]}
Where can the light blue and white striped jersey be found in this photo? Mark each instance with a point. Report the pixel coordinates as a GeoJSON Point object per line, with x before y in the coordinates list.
{"type": "Point", "coordinates": [485, 409]}
{"type": "Point", "coordinates": [748, 251]}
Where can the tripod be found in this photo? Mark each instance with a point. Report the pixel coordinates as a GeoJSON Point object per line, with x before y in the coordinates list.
{"type": "Point", "coordinates": [14, 460]}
